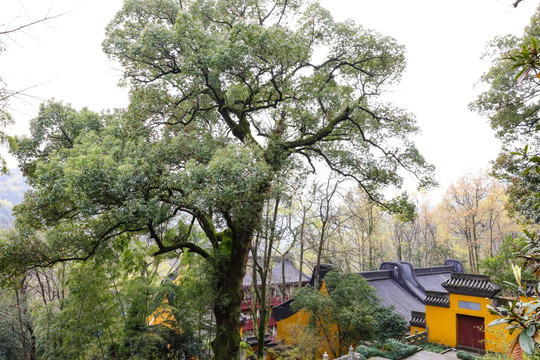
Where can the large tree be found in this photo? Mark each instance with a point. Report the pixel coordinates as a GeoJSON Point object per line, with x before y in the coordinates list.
{"type": "Point", "coordinates": [225, 97]}
{"type": "Point", "coordinates": [512, 103]}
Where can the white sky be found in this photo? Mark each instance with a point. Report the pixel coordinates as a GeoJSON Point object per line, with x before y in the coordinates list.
{"type": "Point", "coordinates": [444, 42]}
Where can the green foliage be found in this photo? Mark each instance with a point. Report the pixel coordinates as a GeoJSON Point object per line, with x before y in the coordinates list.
{"type": "Point", "coordinates": [466, 356]}
{"type": "Point", "coordinates": [433, 347]}
{"type": "Point", "coordinates": [369, 351]}
{"type": "Point", "coordinates": [520, 315]}
{"type": "Point", "coordinates": [103, 309]}
{"type": "Point", "coordinates": [389, 349]}
{"type": "Point", "coordinates": [511, 106]}
{"type": "Point", "coordinates": [389, 324]}
{"type": "Point", "coordinates": [405, 209]}
{"type": "Point", "coordinates": [10, 344]}
{"type": "Point", "coordinates": [352, 305]}
{"type": "Point", "coordinates": [499, 267]}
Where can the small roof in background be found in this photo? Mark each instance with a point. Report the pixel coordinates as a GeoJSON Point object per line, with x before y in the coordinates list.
{"type": "Point", "coordinates": [292, 274]}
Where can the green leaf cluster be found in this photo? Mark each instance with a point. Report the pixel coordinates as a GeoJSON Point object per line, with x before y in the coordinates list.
{"type": "Point", "coordinates": [389, 349]}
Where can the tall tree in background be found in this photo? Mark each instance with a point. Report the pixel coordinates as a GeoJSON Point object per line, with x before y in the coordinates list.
{"type": "Point", "coordinates": [403, 235]}
{"type": "Point", "coordinates": [432, 248]}
{"type": "Point", "coordinates": [463, 214]}
{"type": "Point", "coordinates": [263, 252]}
{"type": "Point", "coordinates": [474, 210]}
{"type": "Point", "coordinates": [225, 96]}
{"type": "Point", "coordinates": [326, 219]}
{"type": "Point", "coordinates": [362, 231]}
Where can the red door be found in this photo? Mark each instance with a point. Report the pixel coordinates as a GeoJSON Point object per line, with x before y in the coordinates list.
{"type": "Point", "coordinates": [470, 332]}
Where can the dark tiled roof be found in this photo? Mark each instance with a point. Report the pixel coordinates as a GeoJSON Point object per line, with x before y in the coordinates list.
{"type": "Point", "coordinates": [433, 281]}
{"type": "Point", "coordinates": [252, 340]}
{"type": "Point", "coordinates": [471, 284]}
{"type": "Point", "coordinates": [291, 274]}
{"type": "Point", "coordinates": [433, 270]}
{"type": "Point", "coordinates": [418, 319]}
{"type": "Point", "coordinates": [376, 274]}
{"type": "Point", "coordinates": [321, 271]}
{"type": "Point", "coordinates": [436, 298]}
{"type": "Point", "coordinates": [282, 311]}
{"type": "Point", "coordinates": [392, 294]}
{"type": "Point", "coordinates": [279, 346]}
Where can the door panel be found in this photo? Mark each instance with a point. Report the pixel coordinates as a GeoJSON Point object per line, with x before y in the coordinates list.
{"type": "Point", "coordinates": [470, 331]}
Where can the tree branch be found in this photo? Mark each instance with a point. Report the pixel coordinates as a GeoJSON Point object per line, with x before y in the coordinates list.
{"type": "Point", "coordinates": [321, 134]}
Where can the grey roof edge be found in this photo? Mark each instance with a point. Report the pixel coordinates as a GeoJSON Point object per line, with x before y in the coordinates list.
{"type": "Point", "coordinates": [402, 272]}
{"type": "Point", "coordinates": [471, 284]}
{"type": "Point", "coordinates": [450, 266]}
{"type": "Point", "coordinates": [376, 274]}
{"type": "Point", "coordinates": [418, 319]}
{"type": "Point", "coordinates": [433, 270]}
{"type": "Point", "coordinates": [437, 298]}
{"type": "Point", "coordinates": [319, 272]}
{"type": "Point", "coordinates": [456, 265]}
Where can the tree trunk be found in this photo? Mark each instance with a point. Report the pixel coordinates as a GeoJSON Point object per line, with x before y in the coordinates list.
{"type": "Point", "coordinates": [263, 321]}
{"type": "Point", "coordinates": [229, 274]}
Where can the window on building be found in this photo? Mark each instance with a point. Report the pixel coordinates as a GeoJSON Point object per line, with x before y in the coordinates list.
{"type": "Point", "coordinates": [469, 305]}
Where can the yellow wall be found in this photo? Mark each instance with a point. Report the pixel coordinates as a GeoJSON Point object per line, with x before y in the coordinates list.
{"type": "Point", "coordinates": [289, 329]}
{"type": "Point", "coordinates": [417, 329]}
{"type": "Point", "coordinates": [286, 327]}
{"type": "Point", "coordinates": [162, 315]}
{"type": "Point", "coordinates": [442, 323]}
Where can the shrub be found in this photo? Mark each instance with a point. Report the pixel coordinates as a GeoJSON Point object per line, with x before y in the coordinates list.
{"type": "Point", "coordinates": [390, 349]}
{"type": "Point", "coordinates": [436, 348]}
{"type": "Point", "coordinates": [389, 324]}
{"type": "Point", "coordinates": [368, 351]}
{"type": "Point", "coordinates": [466, 356]}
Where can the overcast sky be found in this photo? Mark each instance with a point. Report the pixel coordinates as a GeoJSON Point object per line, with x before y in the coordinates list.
{"type": "Point", "coordinates": [444, 42]}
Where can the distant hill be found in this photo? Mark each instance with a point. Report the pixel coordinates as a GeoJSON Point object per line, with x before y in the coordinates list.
{"type": "Point", "coordinates": [12, 189]}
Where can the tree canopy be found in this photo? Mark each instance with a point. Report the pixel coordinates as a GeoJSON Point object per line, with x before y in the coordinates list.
{"type": "Point", "coordinates": [226, 96]}
{"type": "Point", "coordinates": [511, 103]}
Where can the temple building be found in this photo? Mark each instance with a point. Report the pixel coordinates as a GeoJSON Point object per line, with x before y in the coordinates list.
{"type": "Point", "coordinates": [444, 300]}
{"type": "Point", "coordinates": [284, 278]}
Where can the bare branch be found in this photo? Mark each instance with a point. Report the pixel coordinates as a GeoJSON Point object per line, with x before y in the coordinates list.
{"type": "Point", "coordinates": [24, 26]}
